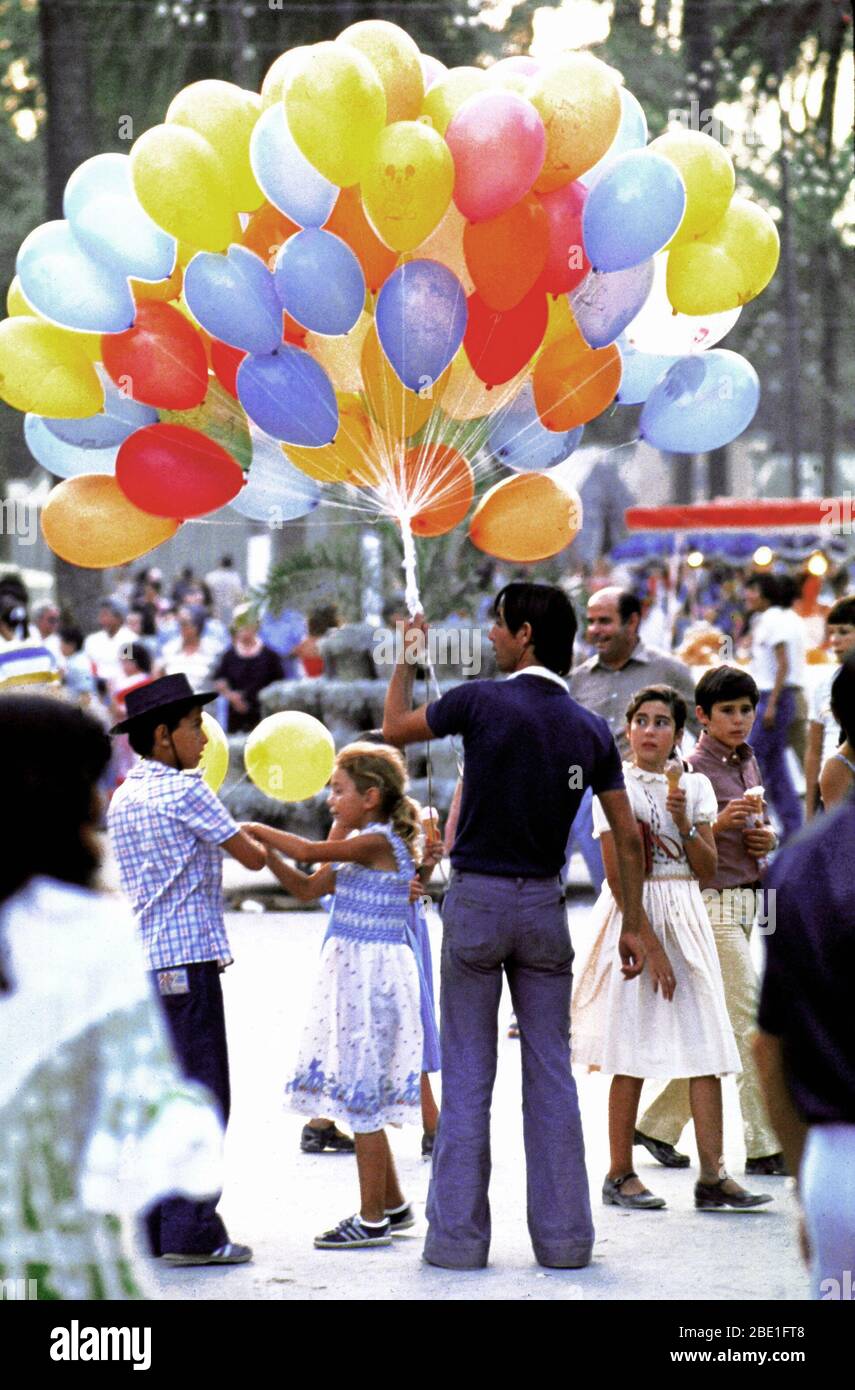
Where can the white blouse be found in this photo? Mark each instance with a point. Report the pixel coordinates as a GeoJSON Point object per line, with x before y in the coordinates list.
{"type": "Point", "coordinates": [647, 793]}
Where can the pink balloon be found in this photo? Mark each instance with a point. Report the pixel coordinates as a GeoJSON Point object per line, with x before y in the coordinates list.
{"type": "Point", "coordinates": [498, 143]}
{"type": "Point", "coordinates": [518, 63]}
{"type": "Point", "coordinates": [433, 70]}
{"type": "Point", "coordinates": [566, 262]}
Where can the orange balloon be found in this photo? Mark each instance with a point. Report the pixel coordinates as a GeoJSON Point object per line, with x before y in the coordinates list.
{"type": "Point", "coordinates": [398, 412]}
{"type": "Point", "coordinates": [265, 232]}
{"type": "Point", "coordinates": [159, 289]}
{"type": "Point", "coordinates": [525, 518]}
{"type": "Point", "coordinates": [506, 254]}
{"type": "Point", "coordinates": [445, 244]}
{"type": "Point", "coordinates": [89, 522]}
{"type": "Point", "coordinates": [438, 480]}
{"type": "Point", "coordinates": [348, 221]}
{"type": "Point", "coordinates": [574, 383]}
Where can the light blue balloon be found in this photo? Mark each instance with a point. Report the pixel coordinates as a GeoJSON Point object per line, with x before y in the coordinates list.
{"type": "Point", "coordinates": [65, 284]}
{"type": "Point", "coordinates": [320, 282]}
{"type": "Point", "coordinates": [640, 373]}
{"type": "Point", "coordinates": [284, 174]}
{"type": "Point", "coordinates": [421, 318]}
{"type": "Point", "coordinates": [108, 221]}
{"type": "Point", "coordinates": [631, 135]}
{"type": "Point", "coordinates": [107, 429]}
{"type": "Point", "coordinates": [604, 304]}
{"type": "Point", "coordinates": [519, 440]}
{"type": "Point", "coordinates": [234, 298]}
{"type": "Point", "coordinates": [289, 396]}
{"type": "Point", "coordinates": [634, 208]}
{"type": "Point", "coordinates": [275, 491]}
{"type": "Point", "coordinates": [703, 402]}
{"type": "Point", "coordinates": [62, 459]}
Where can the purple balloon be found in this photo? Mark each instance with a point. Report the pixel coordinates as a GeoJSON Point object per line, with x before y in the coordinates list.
{"type": "Point", "coordinates": [633, 209]}
{"type": "Point", "coordinates": [421, 318]}
{"type": "Point", "coordinates": [289, 396]}
{"type": "Point", "coordinates": [604, 304]}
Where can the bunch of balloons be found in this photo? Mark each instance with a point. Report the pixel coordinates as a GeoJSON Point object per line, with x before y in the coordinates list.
{"type": "Point", "coordinates": [370, 281]}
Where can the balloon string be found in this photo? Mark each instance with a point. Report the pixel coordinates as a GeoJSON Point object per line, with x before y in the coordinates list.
{"type": "Point", "coordinates": [225, 795]}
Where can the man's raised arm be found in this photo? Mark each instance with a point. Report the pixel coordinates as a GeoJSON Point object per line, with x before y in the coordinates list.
{"type": "Point", "coordinates": [401, 723]}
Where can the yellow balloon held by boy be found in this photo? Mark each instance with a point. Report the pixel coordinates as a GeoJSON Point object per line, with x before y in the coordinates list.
{"type": "Point", "coordinates": [215, 755]}
{"type": "Point", "coordinates": [289, 756]}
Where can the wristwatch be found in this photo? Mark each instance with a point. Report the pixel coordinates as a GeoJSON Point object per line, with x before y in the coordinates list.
{"type": "Point", "coordinates": [692, 835]}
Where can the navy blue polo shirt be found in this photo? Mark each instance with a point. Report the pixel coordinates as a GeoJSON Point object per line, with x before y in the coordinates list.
{"type": "Point", "coordinates": [806, 998]}
{"type": "Point", "coordinates": [531, 751]}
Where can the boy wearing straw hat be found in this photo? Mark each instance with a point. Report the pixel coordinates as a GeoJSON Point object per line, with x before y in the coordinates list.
{"type": "Point", "coordinates": [167, 829]}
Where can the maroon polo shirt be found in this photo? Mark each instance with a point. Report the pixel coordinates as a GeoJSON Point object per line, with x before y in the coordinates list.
{"type": "Point", "coordinates": [732, 771]}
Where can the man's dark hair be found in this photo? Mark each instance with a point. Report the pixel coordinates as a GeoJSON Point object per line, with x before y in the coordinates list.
{"type": "Point", "coordinates": [53, 756]}
{"type": "Point", "coordinates": [139, 654]}
{"type": "Point", "coordinates": [72, 636]}
{"type": "Point", "coordinates": [725, 683]}
{"type": "Point", "coordinates": [628, 604]}
{"type": "Point", "coordinates": [226, 562]}
{"type": "Point", "coordinates": [843, 611]}
{"type": "Point", "coordinates": [550, 613]}
{"type": "Point", "coordinates": [843, 698]}
{"type": "Point", "coordinates": [767, 585]}
{"type": "Point", "coordinates": [141, 732]}
{"type": "Point", "coordinates": [667, 695]}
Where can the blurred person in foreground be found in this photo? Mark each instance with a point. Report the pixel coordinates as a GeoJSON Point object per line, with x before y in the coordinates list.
{"type": "Point", "coordinates": [805, 1047]}
{"type": "Point", "coordinates": [95, 1120]}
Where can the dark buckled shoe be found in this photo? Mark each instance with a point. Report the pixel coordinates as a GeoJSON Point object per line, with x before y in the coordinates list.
{"type": "Point", "coordinates": [712, 1197]}
{"type": "Point", "coordinates": [318, 1141]}
{"type": "Point", "coordinates": [770, 1166]}
{"type": "Point", "coordinates": [664, 1153]}
{"type": "Point", "coordinates": [636, 1201]}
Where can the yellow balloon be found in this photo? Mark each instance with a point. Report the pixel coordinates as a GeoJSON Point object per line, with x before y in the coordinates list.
{"type": "Point", "coordinates": [353, 443]}
{"type": "Point", "coordinates": [215, 755]}
{"type": "Point", "coordinates": [225, 115]}
{"type": "Point", "coordinates": [445, 244]}
{"type": "Point", "coordinates": [276, 77]}
{"type": "Point", "coordinates": [89, 522]}
{"type": "Point", "coordinates": [396, 58]}
{"type": "Point", "coordinates": [336, 109]}
{"type": "Point", "coordinates": [446, 96]}
{"type": "Point", "coordinates": [708, 173]}
{"type": "Point", "coordinates": [561, 322]}
{"type": "Point", "coordinates": [340, 357]}
{"type": "Point", "coordinates": [17, 306]}
{"type": "Point", "coordinates": [467, 398]}
{"type": "Point", "coordinates": [578, 99]}
{"type": "Point", "coordinates": [407, 186]}
{"type": "Point", "coordinates": [398, 412]}
{"type": "Point", "coordinates": [182, 185]}
{"type": "Point", "coordinates": [529, 517]}
{"type": "Point", "coordinates": [42, 370]}
{"type": "Point", "coordinates": [726, 267]}
{"type": "Point", "coordinates": [289, 756]}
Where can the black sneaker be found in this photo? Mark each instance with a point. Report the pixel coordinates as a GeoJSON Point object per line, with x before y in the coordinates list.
{"type": "Point", "coordinates": [318, 1141]}
{"type": "Point", "coordinates": [401, 1220]}
{"type": "Point", "coordinates": [428, 1141]}
{"type": "Point", "coordinates": [770, 1166]}
{"type": "Point", "coordinates": [353, 1234]}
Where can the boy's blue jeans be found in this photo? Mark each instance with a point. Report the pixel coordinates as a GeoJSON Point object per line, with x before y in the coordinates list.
{"type": "Point", "coordinates": [518, 925]}
{"type": "Point", "coordinates": [770, 748]}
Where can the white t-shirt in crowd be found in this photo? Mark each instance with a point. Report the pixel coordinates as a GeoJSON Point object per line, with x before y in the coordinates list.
{"type": "Point", "coordinates": [820, 713]}
{"type": "Point", "coordinates": [105, 652]}
{"type": "Point", "coordinates": [768, 631]}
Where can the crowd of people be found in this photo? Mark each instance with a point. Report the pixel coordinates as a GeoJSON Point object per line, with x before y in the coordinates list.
{"type": "Point", "coordinates": [677, 790]}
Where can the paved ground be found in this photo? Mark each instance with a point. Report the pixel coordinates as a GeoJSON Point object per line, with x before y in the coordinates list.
{"type": "Point", "coordinates": [277, 1199]}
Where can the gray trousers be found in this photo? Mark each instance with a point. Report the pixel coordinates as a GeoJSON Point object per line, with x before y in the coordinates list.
{"type": "Point", "coordinates": [519, 925]}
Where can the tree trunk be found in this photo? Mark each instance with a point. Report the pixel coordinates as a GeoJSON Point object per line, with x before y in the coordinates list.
{"type": "Point", "coordinates": [717, 474]}
{"type": "Point", "coordinates": [826, 265]}
{"type": "Point", "coordinates": [69, 140]}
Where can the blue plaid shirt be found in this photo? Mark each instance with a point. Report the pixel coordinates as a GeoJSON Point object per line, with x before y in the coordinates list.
{"type": "Point", "coordinates": [166, 828]}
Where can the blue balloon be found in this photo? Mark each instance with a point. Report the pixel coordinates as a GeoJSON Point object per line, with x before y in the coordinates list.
{"type": "Point", "coordinates": [233, 297]}
{"type": "Point", "coordinates": [320, 282]}
{"type": "Point", "coordinates": [109, 223]}
{"type": "Point", "coordinates": [703, 402]}
{"type": "Point", "coordinates": [275, 491]}
{"type": "Point", "coordinates": [65, 284]}
{"type": "Point", "coordinates": [604, 304]}
{"type": "Point", "coordinates": [107, 429]}
{"type": "Point", "coordinates": [634, 208]}
{"type": "Point", "coordinates": [62, 459]}
{"type": "Point", "coordinates": [289, 396]}
{"type": "Point", "coordinates": [631, 135]}
{"type": "Point", "coordinates": [519, 440]}
{"type": "Point", "coordinates": [284, 174]}
{"type": "Point", "coordinates": [641, 371]}
{"type": "Point", "coordinates": [421, 317]}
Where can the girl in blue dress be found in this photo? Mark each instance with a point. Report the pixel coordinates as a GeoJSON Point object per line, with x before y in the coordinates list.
{"type": "Point", "coordinates": [361, 1055]}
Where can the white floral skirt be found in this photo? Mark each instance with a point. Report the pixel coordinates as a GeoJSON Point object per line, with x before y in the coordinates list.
{"type": "Point", "coordinates": [360, 1057]}
{"type": "Point", "coordinates": [624, 1028]}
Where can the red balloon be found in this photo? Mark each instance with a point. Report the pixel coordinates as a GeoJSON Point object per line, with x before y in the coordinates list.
{"type": "Point", "coordinates": [160, 361]}
{"type": "Point", "coordinates": [566, 263]}
{"type": "Point", "coordinates": [499, 345]}
{"type": "Point", "coordinates": [225, 361]}
{"type": "Point", "coordinates": [170, 470]}
{"type": "Point", "coordinates": [506, 254]}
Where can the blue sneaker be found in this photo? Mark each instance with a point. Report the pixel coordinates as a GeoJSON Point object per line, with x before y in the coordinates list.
{"type": "Point", "coordinates": [353, 1234]}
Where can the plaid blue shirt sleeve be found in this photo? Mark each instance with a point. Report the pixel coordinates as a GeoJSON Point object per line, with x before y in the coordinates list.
{"type": "Point", "coordinates": [205, 815]}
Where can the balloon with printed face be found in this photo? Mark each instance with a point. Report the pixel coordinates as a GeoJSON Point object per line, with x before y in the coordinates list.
{"type": "Point", "coordinates": [289, 756]}
{"type": "Point", "coordinates": [161, 361]}
{"type": "Point", "coordinates": [421, 318]}
{"type": "Point", "coordinates": [336, 109]}
{"type": "Point", "coordinates": [89, 522]}
{"type": "Point", "coordinates": [407, 186]}
{"type": "Point", "coordinates": [526, 518]}
{"type": "Point", "coordinates": [497, 141]}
